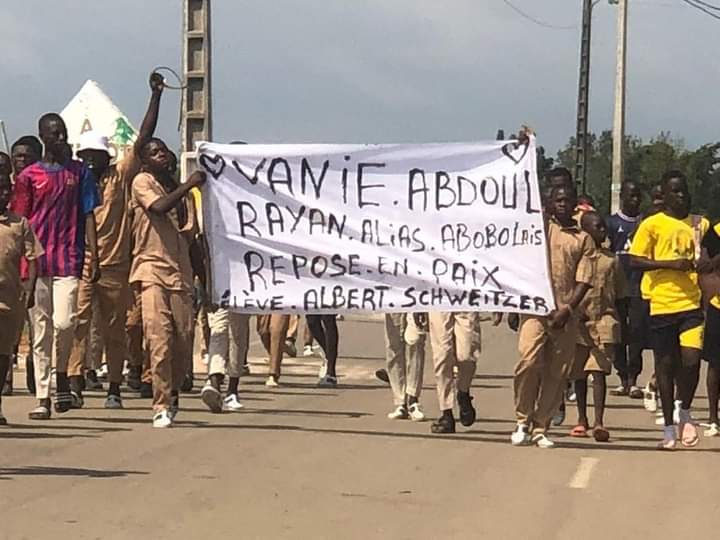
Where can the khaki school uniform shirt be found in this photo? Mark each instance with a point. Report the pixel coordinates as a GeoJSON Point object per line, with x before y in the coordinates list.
{"type": "Point", "coordinates": [598, 309]}
{"type": "Point", "coordinates": [112, 221]}
{"type": "Point", "coordinates": [570, 263]}
{"type": "Point", "coordinates": [161, 243]}
{"type": "Point", "coordinates": [17, 240]}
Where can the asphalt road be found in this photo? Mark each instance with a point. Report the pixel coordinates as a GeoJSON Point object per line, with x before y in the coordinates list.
{"type": "Point", "coordinates": [303, 462]}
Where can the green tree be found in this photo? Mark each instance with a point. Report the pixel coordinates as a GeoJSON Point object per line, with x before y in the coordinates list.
{"type": "Point", "coordinates": [646, 163]}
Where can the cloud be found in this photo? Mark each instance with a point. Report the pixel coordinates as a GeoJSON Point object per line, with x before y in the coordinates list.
{"type": "Point", "coordinates": [348, 71]}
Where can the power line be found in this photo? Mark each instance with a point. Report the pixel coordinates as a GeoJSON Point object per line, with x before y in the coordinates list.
{"type": "Point", "coordinates": [535, 20]}
{"type": "Point", "coordinates": [703, 9]}
{"type": "Point", "coordinates": [707, 5]}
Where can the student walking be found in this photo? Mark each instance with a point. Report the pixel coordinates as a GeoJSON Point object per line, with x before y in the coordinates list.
{"type": "Point", "coordinates": [547, 344]}
{"type": "Point", "coordinates": [666, 247]}
{"type": "Point", "coordinates": [598, 330]}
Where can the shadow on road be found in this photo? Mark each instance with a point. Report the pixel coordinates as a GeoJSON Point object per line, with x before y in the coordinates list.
{"type": "Point", "coordinates": [9, 472]}
{"type": "Point", "coordinates": [498, 437]}
{"type": "Point", "coordinates": [12, 434]}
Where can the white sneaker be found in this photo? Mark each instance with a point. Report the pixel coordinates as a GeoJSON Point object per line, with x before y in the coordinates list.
{"type": "Point", "coordinates": [650, 400]}
{"type": "Point", "coordinates": [162, 420]}
{"type": "Point", "coordinates": [272, 382]}
{"type": "Point", "coordinates": [308, 351]}
{"type": "Point", "coordinates": [212, 398]}
{"type": "Point", "coordinates": [323, 366]}
{"type": "Point", "coordinates": [416, 413]}
{"type": "Point", "coordinates": [541, 441]}
{"type": "Point", "coordinates": [713, 430]}
{"type": "Point", "coordinates": [102, 372]}
{"type": "Point", "coordinates": [400, 413]}
{"type": "Point", "coordinates": [520, 437]}
{"type": "Point", "coordinates": [328, 381]}
{"type": "Point", "coordinates": [232, 403]}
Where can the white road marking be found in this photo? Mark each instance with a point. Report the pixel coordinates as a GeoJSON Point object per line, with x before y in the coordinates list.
{"type": "Point", "coordinates": [581, 478]}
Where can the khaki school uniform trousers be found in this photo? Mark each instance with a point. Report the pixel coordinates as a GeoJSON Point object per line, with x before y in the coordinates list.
{"type": "Point", "coordinates": [229, 342]}
{"type": "Point", "coordinates": [456, 341]}
{"type": "Point", "coordinates": [405, 363]}
{"type": "Point", "coordinates": [273, 332]}
{"type": "Point", "coordinates": [137, 355]}
{"type": "Point", "coordinates": [546, 359]}
{"type": "Point", "coordinates": [104, 305]}
{"type": "Point", "coordinates": [167, 328]}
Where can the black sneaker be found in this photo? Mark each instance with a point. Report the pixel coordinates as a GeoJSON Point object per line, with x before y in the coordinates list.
{"type": "Point", "coordinates": [467, 411]}
{"type": "Point", "coordinates": [187, 384]}
{"type": "Point", "coordinates": [444, 424]}
{"type": "Point", "coordinates": [77, 400]}
{"type": "Point", "coordinates": [382, 375]}
{"type": "Point", "coordinates": [92, 383]}
{"type": "Point", "coordinates": [133, 378]}
{"type": "Point", "coordinates": [146, 390]}
{"type": "Point", "coordinates": [290, 349]}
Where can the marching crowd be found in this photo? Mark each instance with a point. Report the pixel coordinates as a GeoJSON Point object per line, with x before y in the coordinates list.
{"type": "Point", "coordinates": [99, 258]}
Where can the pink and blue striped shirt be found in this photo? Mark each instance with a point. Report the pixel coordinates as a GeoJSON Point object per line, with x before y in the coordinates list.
{"type": "Point", "coordinates": [55, 200]}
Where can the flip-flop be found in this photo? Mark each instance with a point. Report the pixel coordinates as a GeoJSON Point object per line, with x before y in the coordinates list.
{"type": "Point", "coordinates": [600, 434]}
{"type": "Point", "coordinates": [579, 431]}
{"type": "Point", "coordinates": [689, 435]}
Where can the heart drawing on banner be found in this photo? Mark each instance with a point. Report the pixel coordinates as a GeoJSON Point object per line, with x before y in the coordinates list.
{"type": "Point", "coordinates": [215, 165]}
{"type": "Point", "coordinates": [508, 148]}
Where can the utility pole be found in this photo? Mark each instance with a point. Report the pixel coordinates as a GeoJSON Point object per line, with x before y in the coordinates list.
{"type": "Point", "coordinates": [197, 96]}
{"type": "Point", "coordinates": [581, 136]}
{"type": "Point", "coordinates": [618, 164]}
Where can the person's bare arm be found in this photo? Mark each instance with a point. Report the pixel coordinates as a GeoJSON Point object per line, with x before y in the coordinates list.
{"type": "Point", "coordinates": [168, 202]}
{"type": "Point", "coordinates": [559, 317]}
{"type": "Point", "coordinates": [645, 264]}
{"type": "Point", "coordinates": [149, 123]}
{"type": "Point", "coordinates": [91, 239]}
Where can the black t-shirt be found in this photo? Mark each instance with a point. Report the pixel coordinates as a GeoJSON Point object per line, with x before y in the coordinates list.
{"type": "Point", "coordinates": [621, 229]}
{"type": "Point", "coordinates": [711, 240]}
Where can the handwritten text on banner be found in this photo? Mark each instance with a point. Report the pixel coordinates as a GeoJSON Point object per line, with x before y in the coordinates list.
{"type": "Point", "coordinates": [376, 228]}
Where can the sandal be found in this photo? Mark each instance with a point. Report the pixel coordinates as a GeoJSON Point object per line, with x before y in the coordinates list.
{"type": "Point", "coordinates": [600, 434]}
{"type": "Point", "coordinates": [579, 431]}
{"type": "Point", "coordinates": [63, 402]}
{"type": "Point", "coordinates": [689, 435]}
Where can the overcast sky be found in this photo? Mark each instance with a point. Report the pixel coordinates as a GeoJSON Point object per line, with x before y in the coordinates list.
{"type": "Point", "coordinates": [370, 70]}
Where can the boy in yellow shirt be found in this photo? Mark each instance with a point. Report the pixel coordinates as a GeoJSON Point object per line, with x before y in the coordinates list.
{"type": "Point", "coordinates": [666, 247]}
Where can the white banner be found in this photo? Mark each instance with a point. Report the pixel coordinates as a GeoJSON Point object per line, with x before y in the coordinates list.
{"type": "Point", "coordinates": [322, 228]}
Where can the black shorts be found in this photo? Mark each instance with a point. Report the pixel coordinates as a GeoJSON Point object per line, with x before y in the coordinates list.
{"type": "Point", "coordinates": [669, 332]}
{"type": "Point", "coordinates": [711, 346]}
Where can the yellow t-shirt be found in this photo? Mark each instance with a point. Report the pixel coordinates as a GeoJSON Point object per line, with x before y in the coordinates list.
{"type": "Point", "coordinates": [664, 238]}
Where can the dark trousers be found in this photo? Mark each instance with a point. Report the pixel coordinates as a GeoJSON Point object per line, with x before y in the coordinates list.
{"type": "Point", "coordinates": [634, 314]}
